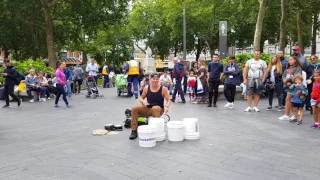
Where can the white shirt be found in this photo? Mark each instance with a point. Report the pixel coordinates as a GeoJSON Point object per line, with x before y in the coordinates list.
{"type": "Point", "coordinates": [165, 79]}
{"type": "Point", "coordinates": [92, 69]}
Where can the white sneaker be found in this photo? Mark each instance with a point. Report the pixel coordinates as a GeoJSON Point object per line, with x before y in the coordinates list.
{"type": "Point", "coordinates": [284, 118]}
{"type": "Point", "coordinates": [298, 112]}
{"type": "Point", "coordinates": [31, 101]}
{"type": "Point", "coordinates": [49, 98]}
{"type": "Point", "coordinates": [256, 109]}
{"type": "Point", "coordinates": [227, 105]}
{"type": "Point", "coordinates": [44, 99]}
{"type": "Point", "coordinates": [248, 109]}
{"type": "Point", "coordinates": [291, 118]}
{"type": "Point", "coordinates": [231, 105]}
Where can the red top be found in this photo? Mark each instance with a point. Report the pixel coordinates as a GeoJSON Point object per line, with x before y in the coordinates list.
{"type": "Point", "coordinates": [315, 95]}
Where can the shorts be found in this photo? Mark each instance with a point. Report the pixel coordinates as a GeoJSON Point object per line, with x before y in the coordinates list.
{"type": "Point", "coordinates": [313, 102]}
{"type": "Point", "coordinates": [297, 105]}
{"type": "Point", "coordinates": [252, 88]}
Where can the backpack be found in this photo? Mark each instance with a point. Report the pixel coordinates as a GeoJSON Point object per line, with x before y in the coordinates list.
{"type": "Point", "coordinates": [17, 80]}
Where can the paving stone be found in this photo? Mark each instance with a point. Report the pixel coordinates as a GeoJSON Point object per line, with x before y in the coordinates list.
{"type": "Point", "coordinates": [233, 144]}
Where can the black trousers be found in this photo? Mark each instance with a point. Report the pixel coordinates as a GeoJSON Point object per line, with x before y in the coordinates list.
{"type": "Point", "coordinates": [229, 92]}
{"type": "Point", "coordinates": [278, 89]}
{"type": "Point", "coordinates": [77, 85]}
{"type": "Point", "coordinates": [9, 91]}
{"type": "Point", "coordinates": [178, 88]}
{"type": "Point", "coordinates": [308, 98]}
{"type": "Point", "coordinates": [213, 90]}
{"type": "Point", "coordinates": [61, 91]}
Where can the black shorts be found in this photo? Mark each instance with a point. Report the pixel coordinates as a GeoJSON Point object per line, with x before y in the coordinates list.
{"type": "Point", "coordinates": [297, 105]}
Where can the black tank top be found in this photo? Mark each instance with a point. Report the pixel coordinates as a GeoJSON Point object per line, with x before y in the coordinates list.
{"type": "Point", "coordinates": [155, 99]}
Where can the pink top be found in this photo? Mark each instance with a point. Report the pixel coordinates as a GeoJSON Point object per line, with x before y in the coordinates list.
{"type": "Point", "coordinates": [61, 77]}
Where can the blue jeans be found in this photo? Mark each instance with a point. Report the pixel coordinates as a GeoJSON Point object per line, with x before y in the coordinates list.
{"type": "Point", "coordinates": [41, 90]}
{"type": "Point", "coordinates": [135, 81]}
{"type": "Point", "coordinates": [178, 89]}
{"type": "Point", "coordinates": [106, 81]}
{"type": "Point", "coordinates": [69, 91]}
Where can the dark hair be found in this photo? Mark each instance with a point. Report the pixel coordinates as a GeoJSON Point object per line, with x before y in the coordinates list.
{"type": "Point", "coordinates": [215, 55]}
{"type": "Point", "coordinates": [257, 51]}
{"type": "Point", "coordinates": [317, 71]}
{"type": "Point", "coordinates": [232, 57]}
{"type": "Point", "coordinates": [6, 60]}
{"type": "Point", "coordinates": [297, 62]}
{"type": "Point", "coordinates": [58, 64]}
{"type": "Point", "coordinates": [297, 76]}
{"type": "Point", "coordinates": [314, 56]}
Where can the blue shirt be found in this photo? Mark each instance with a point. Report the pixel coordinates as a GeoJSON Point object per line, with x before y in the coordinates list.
{"type": "Point", "coordinates": [215, 70]}
{"type": "Point", "coordinates": [297, 94]}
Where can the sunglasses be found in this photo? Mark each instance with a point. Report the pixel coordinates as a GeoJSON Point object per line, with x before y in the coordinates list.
{"type": "Point", "coordinates": [313, 58]}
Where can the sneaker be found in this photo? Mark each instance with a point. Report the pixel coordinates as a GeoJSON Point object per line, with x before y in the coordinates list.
{"type": "Point", "coordinates": [214, 105]}
{"type": "Point", "coordinates": [31, 101]}
{"type": "Point", "coordinates": [280, 109]}
{"type": "Point", "coordinates": [256, 109]}
{"type": "Point", "coordinates": [6, 106]}
{"type": "Point", "coordinates": [314, 125]}
{"type": "Point", "coordinates": [298, 112]}
{"type": "Point", "coordinates": [49, 98]}
{"type": "Point", "coordinates": [43, 99]}
{"type": "Point", "coordinates": [293, 121]}
{"type": "Point", "coordinates": [248, 109]}
{"type": "Point", "coordinates": [291, 118]}
{"type": "Point", "coordinates": [231, 105]}
{"type": "Point", "coordinates": [69, 106]}
{"type": "Point", "coordinates": [299, 122]}
{"type": "Point", "coordinates": [227, 105]}
{"type": "Point", "coordinates": [269, 108]}
{"type": "Point", "coordinates": [284, 118]}
{"type": "Point", "coordinates": [56, 106]}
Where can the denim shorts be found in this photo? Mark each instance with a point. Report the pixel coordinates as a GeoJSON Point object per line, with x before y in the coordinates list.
{"type": "Point", "coordinates": [313, 102]}
{"type": "Point", "coordinates": [297, 105]}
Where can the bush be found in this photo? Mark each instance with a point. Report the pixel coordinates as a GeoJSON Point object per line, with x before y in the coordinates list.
{"type": "Point", "coordinates": [23, 66]}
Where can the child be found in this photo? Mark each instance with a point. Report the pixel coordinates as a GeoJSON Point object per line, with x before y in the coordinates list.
{"type": "Point", "coordinates": [315, 99]}
{"type": "Point", "coordinates": [191, 85]}
{"type": "Point", "coordinates": [298, 93]}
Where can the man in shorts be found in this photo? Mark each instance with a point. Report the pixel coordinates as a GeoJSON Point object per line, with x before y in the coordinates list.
{"type": "Point", "coordinates": [254, 76]}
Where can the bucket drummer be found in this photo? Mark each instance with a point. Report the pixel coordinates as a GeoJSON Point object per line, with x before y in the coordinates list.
{"type": "Point", "coordinates": [154, 105]}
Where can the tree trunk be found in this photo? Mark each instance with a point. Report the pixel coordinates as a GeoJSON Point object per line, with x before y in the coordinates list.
{"type": "Point", "coordinates": [49, 34]}
{"type": "Point", "coordinates": [282, 43]}
{"type": "Point", "coordinates": [6, 52]}
{"type": "Point", "coordinates": [84, 58]}
{"type": "Point", "coordinates": [300, 35]}
{"type": "Point", "coordinates": [258, 32]}
{"type": "Point", "coordinates": [314, 33]}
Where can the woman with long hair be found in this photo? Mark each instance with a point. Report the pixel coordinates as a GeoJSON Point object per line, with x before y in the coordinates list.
{"type": "Point", "coordinates": [61, 83]}
{"type": "Point", "coordinates": [293, 68]}
{"type": "Point", "coordinates": [202, 76]}
{"type": "Point", "coordinates": [274, 81]}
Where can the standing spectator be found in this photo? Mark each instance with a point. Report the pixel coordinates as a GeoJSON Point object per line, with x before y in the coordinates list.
{"type": "Point", "coordinates": [202, 76]}
{"type": "Point", "coordinates": [298, 93]}
{"type": "Point", "coordinates": [215, 70]}
{"type": "Point", "coordinates": [302, 59]}
{"type": "Point", "coordinates": [254, 75]}
{"type": "Point", "coordinates": [274, 79]}
{"type": "Point", "coordinates": [283, 59]}
{"type": "Point", "coordinates": [68, 74]}
{"type": "Point", "coordinates": [61, 82]}
{"type": "Point", "coordinates": [92, 69]}
{"type": "Point", "coordinates": [33, 84]}
{"type": "Point", "coordinates": [77, 78]}
{"type": "Point", "coordinates": [293, 68]}
{"type": "Point", "coordinates": [191, 85]}
{"type": "Point", "coordinates": [105, 73]}
{"type": "Point", "coordinates": [166, 81]}
{"type": "Point", "coordinates": [232, 80]}
{"type": "Point", "coordinates": [111, 78]}
{"type": "Point", "coordinates": [178, 73]}
{"type": "Point", "coordinates": [311, 68]}
{"type": "Point", "coordinates": [11, 77]}
{"type": "Point", "coordinates": [315, 99]}
{"type": "Point", "coordinates": [133, 71]}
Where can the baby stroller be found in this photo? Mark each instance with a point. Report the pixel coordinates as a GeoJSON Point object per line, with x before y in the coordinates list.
{"type": "Point", "coordinates": [92, 88]}
{"type": "Point", "coordinates": [121, 84]}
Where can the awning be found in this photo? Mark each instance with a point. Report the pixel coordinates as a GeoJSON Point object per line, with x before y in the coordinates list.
{"type": "Point", "coordinates": [70, 61]}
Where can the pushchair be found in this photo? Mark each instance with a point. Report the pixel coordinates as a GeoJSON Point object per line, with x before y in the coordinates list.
{"type": "Point", "coordinates": [92, 88]}
{"type": "Point", "coordinates": [121, 84]}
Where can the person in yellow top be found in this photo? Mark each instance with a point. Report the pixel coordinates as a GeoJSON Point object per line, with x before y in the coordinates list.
{"type": "Point", "coordinates": [105, 73]}
{"type": "Point", "coordinates": [133, 71]}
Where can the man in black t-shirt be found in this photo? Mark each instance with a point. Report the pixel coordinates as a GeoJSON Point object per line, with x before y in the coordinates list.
{"type": "Point", "coordinates": [215, 71]}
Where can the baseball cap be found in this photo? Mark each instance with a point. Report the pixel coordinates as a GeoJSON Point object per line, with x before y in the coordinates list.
{"type": "Point", "coordinates": [297, 48]}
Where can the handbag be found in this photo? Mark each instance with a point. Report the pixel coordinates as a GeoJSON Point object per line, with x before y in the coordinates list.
{"type": "Point", "coordinates": [199, 87]}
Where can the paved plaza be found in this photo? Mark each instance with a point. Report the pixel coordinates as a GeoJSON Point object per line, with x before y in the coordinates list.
{"type": "Point", "coordinates": [38, 142]}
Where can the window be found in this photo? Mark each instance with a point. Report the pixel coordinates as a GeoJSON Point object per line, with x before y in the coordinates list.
{"type": "Point", "coordinates": [73, 54]}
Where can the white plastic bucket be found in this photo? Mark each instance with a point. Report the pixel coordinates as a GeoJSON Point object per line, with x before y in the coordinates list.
{"type": "Point", "coordinates": [159, 124]}
{"type": "Point", "coordinates": [147, 136]}
{"type": "Point", "coordinates": [191, 128]}
{"type": "Point", "coordinates": [175, 131]}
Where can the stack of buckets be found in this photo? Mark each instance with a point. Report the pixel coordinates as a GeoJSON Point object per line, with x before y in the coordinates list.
{"type": "Point", "coordinates": [177, 131]}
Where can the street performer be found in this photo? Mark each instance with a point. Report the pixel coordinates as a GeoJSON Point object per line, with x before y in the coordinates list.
{"type": "Point", "coordinates": [154, 105]}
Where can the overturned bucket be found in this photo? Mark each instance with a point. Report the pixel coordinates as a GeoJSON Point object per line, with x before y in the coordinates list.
{"type": "Point", "coordinates": [147, 136]}
{"type": "Point", "coordinates": [159, 124]}
{"type": "Point", "coordinates": [191, 128]}
{"type": "Point", "coordinates": [175, 131]}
